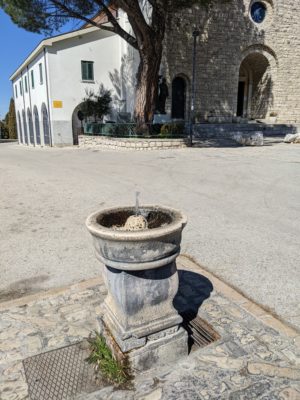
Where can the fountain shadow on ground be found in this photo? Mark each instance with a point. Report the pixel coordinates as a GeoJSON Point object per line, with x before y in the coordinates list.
{"type": "Point", "coordinates": [193, 290]}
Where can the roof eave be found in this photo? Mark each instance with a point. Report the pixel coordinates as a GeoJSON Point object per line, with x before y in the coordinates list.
{"type": "Point", "coordinates": [48, 43]}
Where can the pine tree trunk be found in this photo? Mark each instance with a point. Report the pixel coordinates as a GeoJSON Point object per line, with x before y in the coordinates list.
{"type": "Point", "coordinates": [147, 85]}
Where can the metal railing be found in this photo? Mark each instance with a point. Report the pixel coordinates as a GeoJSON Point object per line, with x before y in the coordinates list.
{"type": "Point", "coordinates": [132, 130]}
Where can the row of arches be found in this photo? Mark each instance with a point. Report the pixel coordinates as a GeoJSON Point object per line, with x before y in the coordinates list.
{"type": "Point", "coordinates": [29, 130]}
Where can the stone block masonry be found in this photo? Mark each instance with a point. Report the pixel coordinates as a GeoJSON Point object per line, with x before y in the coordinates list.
{"type": "Point", "coordinates": [111, 143]}
{"type": "Point", "coordinates": [269, 54]}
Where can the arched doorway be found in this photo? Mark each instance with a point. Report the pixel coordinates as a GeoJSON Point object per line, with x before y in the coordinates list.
{"type": "Point", "coordinates": [20, 132]}
{"type": "Point", "coordinates": [37, 125]}
{"type": "Point", "coordinates": [178, 98]}
{"type": "Point", "coordinates": [77, 123]}
{"type": "Point", "coordinates": [24, 127]}
{"type": "Point", "coordinates": [255, 96]}
{"type": "Point", "coordinates": [30, 126]}
{"type": "Point", "coordinates": [45, 121]}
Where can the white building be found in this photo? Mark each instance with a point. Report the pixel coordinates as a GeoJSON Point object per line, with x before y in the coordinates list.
{"type": "Point", "coordinates": [53, 80]}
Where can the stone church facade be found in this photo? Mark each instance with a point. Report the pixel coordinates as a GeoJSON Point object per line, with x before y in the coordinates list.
{"type": "Point", "coordinates": [247, 61]}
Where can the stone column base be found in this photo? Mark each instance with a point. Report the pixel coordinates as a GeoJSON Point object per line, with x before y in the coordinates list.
{"type": "Point", "coordinates": [159, 349]}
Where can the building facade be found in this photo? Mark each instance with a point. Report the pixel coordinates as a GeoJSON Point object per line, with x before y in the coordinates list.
{"type": "Point", "coordinates": [247, 67]}
{"type": "Point", "coordinates": [247, 61]}
{"type": "Point", "coordinates": [52, 82]}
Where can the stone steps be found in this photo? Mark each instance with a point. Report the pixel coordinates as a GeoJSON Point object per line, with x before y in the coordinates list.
{"type": "Point", "coordinates": [207, 131]}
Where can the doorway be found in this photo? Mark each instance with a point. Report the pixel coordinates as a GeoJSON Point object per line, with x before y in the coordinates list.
{"type": "Point", "coordinates": [178, 98]}
{"type": "Point", "coordinates": [240, 100]}
{"type": "Point", "coordinates": [254, 95]}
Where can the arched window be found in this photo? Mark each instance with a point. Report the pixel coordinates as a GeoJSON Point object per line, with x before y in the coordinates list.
{"type": "Point", "coordinates": [45, 121]}
{"type": "Point", "coordinates": [24, 127]}
{"type": "Point", "coordinates": [30, 126]}
{"type": "Point", "coordinates": [20, 132]}
{"type": "Point", "coordinates": [37, 125]}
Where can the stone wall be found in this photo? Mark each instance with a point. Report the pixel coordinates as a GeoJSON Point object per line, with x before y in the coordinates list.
{"type": "Point", "coordinates": [227, 36]}
{"type": "Point", "coordinates": [105, 142]}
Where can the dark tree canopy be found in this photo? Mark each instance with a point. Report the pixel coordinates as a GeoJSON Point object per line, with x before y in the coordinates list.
{"type": "Point", "coordinates": [8, 126]}
{"type": "Point", "coordinates": [11, 120]}
{"type": "Point", "coordinates": [47, 16]}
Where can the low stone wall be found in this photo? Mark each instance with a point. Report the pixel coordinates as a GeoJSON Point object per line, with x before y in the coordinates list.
{"type": "Point", "coordinates": [131, 143]}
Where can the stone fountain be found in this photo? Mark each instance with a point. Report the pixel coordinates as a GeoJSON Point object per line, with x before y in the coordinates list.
{"type": "Point", "coordinates": [138, 247]}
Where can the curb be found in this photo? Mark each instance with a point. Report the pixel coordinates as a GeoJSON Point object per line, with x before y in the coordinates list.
{"type": "Point", "coordinates": [241, 300]}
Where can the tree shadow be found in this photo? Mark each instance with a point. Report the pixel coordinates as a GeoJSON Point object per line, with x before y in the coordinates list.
{"type": "Point", "coordinates": [124, 82]}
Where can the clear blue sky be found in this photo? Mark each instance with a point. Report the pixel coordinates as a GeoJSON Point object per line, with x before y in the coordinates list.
{"type": "Point", "coordinates": [15, 45]}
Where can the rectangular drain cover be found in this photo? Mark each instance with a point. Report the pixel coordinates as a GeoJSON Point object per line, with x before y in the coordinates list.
{"type": "Point", "coordinates": [60, 374]}
{"type": "Point", "coordinates": [200, 332]}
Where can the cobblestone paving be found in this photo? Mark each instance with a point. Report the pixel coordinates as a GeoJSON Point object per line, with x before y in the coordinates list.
{"type": "Point", "coordinates": [250, 361]}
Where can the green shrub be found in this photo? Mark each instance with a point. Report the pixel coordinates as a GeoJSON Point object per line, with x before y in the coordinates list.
{"type": "Point", "coordinates": [172, 129]}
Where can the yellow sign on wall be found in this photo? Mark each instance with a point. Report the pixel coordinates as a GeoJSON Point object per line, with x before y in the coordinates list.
{"type": "Point", "coordinates": [57, 104]}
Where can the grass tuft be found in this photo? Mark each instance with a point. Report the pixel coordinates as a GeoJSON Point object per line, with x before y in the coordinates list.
{"type": "Point", "coordinates": [101, 356]}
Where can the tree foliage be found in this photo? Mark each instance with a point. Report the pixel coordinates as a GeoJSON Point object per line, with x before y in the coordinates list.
{"type": "Point", "coordinates": [96, 105]}
{"type": "Point", "coordinates": [3, 130]}
{"type": "Point", "coordinates": [8, 126]}
{"type": "Point", "coordinates": [47, 16]}
{"type": "Point", "coordinates": [11, 121]}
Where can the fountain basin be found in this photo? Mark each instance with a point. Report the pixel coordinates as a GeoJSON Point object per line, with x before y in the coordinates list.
{"type": "Point", "coordinates": [141, 277]}
{"type": "Point", "coordinates": [137, 250]}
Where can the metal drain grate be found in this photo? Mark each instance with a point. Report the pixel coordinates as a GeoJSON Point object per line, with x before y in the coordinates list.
{"type": "Point", "coordinates": [201, 333]}
{"type": "Point", "coordinates": [60, 374]}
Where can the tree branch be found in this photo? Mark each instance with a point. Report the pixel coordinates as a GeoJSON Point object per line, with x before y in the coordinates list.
{"type": "Point", "coordinates": [133, 10]}
{"type": "Point", "coordinates": [116, 28]}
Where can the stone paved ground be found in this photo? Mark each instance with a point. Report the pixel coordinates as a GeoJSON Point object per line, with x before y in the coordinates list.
{"type": "Point", "coordinates": [257, 356]}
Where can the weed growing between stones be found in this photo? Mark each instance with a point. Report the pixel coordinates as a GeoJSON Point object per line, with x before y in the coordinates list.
{"type": "Point", "coordinates": [110, 369]}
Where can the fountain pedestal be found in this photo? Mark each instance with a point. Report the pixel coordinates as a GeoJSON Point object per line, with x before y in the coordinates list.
{"type": "Point", "coordinates": [139, 321]}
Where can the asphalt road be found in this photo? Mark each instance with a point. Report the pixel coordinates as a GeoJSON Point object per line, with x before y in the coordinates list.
{"type": "Point", "coordinates": [243, 206]}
